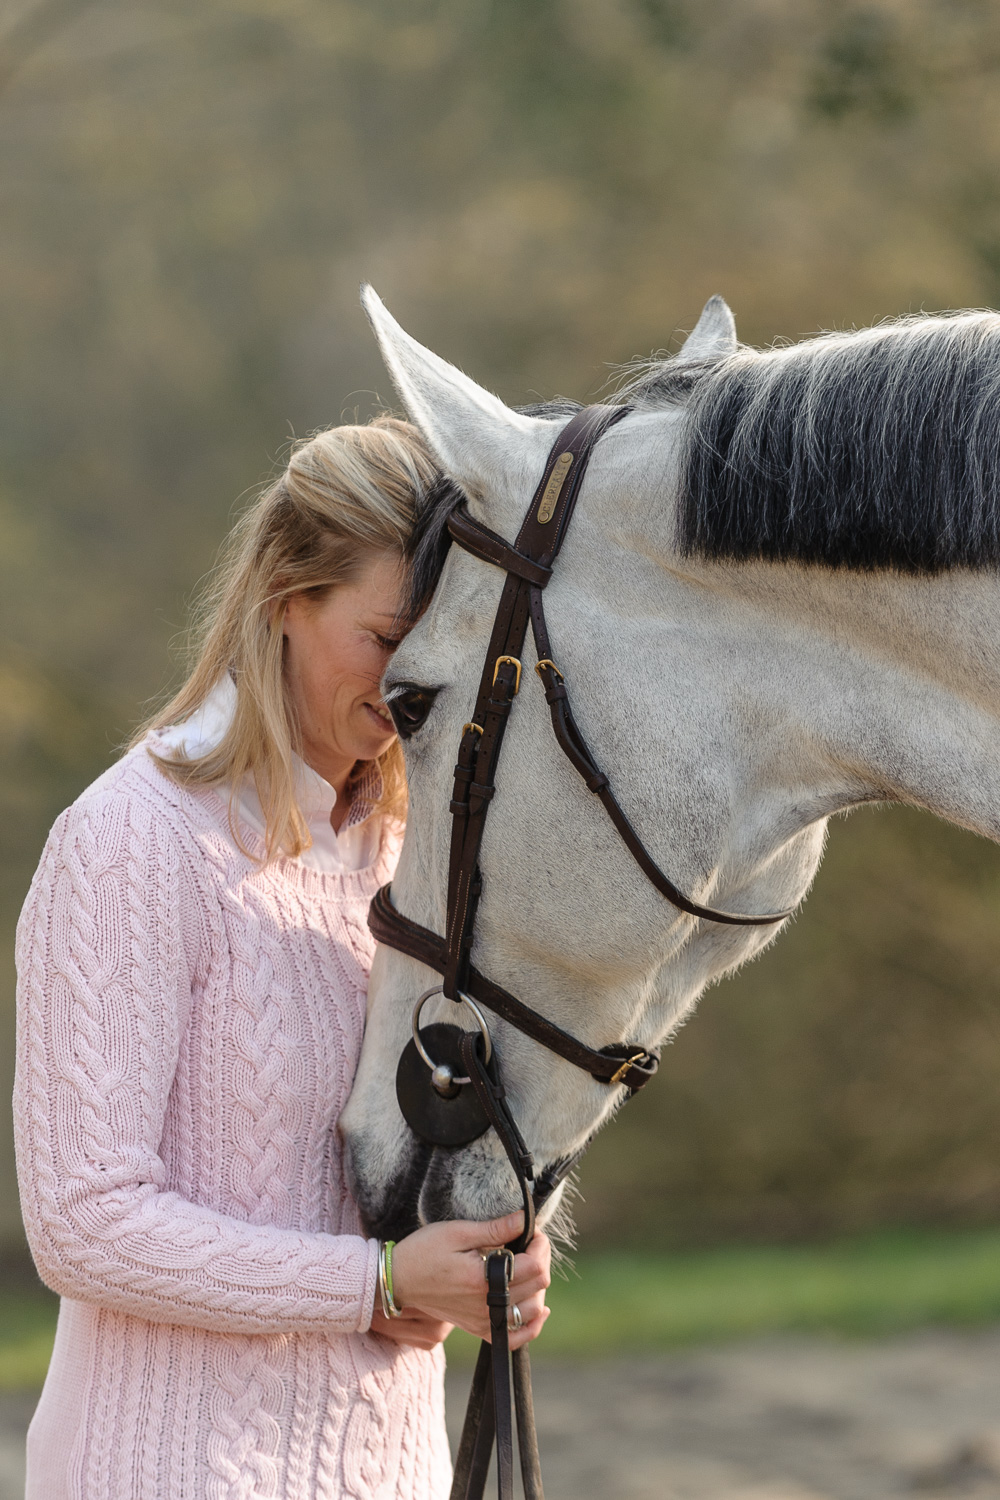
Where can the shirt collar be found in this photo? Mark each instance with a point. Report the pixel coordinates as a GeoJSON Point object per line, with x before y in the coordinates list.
{"type": "Point", "coordinates": [315, 796]}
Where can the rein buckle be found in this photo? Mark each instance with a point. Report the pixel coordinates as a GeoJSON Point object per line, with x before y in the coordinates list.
{"type": "Point", "coordinates": [517, 669]}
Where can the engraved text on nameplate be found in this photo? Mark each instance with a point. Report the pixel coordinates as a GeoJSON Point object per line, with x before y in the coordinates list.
{"type": "Point", "coordinates": [553, 489]}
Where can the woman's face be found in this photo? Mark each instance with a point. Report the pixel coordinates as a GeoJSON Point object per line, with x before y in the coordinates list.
{"type": "Point", "coordinates": [335, 653]}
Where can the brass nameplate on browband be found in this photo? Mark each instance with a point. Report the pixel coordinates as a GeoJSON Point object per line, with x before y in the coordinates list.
{"type": "Point", "coordinates": [553, 489]}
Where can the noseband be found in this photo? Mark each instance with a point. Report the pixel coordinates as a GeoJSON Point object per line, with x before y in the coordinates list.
{"type": "Point", "coordinates": [448, 1082]}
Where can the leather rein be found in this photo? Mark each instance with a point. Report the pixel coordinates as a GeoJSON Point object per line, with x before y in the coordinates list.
{"type": "Point", "coordinates": [528, 564]}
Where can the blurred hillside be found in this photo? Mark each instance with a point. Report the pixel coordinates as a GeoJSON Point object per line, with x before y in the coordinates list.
{"type": "Point", "coordinates": [190, 194]}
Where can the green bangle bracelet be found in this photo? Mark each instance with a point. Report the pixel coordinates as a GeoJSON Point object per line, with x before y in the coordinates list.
{"type": "Point", "coordinates": [389, 1308]}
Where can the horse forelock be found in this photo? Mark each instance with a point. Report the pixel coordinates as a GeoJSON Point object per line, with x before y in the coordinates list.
{"type": "Point", "coordinates": [877, 449]}
{"type": "Point", "coordinates": [429, 543]}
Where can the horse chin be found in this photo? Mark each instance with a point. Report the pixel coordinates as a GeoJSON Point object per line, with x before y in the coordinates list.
{"type": "Point", "coordinates": [390, 1210]}
{"type": "Point", "coordinates": [435, 1184]}
{"type": "Point", "coordinates": [455, 1187]}
{"type": "Point", "coordinates": [429, 1188]}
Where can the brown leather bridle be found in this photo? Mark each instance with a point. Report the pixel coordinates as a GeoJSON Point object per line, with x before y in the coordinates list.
{"type": "Point", "coordinates": [528, 564]}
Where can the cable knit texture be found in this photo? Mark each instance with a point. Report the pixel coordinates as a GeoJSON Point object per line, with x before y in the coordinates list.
{"type": "Point", "coordinates": [188, 1029]}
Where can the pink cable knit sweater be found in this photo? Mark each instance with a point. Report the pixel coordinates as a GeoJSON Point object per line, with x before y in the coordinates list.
{"type": "Point", "coordinates": [189, 1027]}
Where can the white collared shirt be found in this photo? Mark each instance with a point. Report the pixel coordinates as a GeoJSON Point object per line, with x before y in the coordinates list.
{"type": "Point", "coordinates": [357, 843]}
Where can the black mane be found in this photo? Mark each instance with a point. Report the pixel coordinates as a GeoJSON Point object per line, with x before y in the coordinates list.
{"type": "Point", "coordinates": [877, 449]}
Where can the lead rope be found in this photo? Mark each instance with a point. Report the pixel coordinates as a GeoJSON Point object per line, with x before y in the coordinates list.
{"type": "Point", "coordinates": [488, 1413]}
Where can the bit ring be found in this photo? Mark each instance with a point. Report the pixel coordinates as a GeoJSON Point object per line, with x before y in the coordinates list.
{"type": "Point", "coordinates": [468, 1000]}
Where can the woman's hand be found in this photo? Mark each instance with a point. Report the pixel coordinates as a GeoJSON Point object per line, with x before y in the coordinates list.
{"type": "Point", "coordinates": [414, 1328]}
{"type": "Point", "coordinates": [438, 1272]}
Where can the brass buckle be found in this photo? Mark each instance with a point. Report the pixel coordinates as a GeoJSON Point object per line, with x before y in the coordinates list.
{"type": "Point", "coordinates": [517, 669]}
{"type": "Point", "coordinates": [619, 1074]}
{"type": "Point", "coordinates": [547, 661]}
{"type": "Point", "coordinates": [477, 727]}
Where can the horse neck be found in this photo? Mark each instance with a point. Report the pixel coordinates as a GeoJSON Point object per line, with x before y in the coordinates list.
{"type": "Point", "coordinates": [893, 680]}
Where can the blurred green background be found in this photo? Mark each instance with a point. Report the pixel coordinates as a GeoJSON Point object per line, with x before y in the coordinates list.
{"type": "Point", "coordinates": [190, 193]}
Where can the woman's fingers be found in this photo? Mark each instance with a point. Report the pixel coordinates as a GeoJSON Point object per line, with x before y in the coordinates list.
{"type": "Point", "coordinates": [528, 1307]}
{"type": "Point", "coordinates": [530, 1331]}
{"type": "Point", "coordinates": [533, 1315]}
{"type": "Point", "coordinates": [532, 1269]}
{"type": "Point", "coordinates": [415, 1338]}
{"type": "Point", "coordinates": [429, 1332]}
{"type": "Point", "coordinates": [528, 1283]}
{"type": "Point", "coordinates": [469, 1234]}
{"type": "Point", "coordinates": [413, 1328]}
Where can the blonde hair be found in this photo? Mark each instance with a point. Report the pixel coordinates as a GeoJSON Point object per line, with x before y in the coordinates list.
{"type": "Point", "coordinates": [346, 493]}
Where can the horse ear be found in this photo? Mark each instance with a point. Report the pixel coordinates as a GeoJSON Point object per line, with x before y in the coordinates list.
{"type": "Point", "coordinates": [468, 428]}
{"type": "Point", "coordinates": [713, 336]}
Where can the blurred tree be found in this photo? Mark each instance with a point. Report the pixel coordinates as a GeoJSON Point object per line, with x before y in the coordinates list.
{"type": "Point", "coordinates": [861, 67]}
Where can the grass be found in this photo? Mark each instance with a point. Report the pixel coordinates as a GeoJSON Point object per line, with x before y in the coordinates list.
{"type": "Point", "coordinates": [27, 1328]}
{"type": "Point", "coordinates": [617, 1303]}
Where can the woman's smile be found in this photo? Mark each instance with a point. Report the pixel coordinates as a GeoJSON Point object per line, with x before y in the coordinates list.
{"type": "Point", "coordinates": [336, 649]}
{"type": "Point", "coordinates": [382, 713]}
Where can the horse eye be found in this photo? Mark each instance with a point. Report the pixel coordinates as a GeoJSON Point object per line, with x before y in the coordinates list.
{"type": "Point", "coordinates": [409, 707]}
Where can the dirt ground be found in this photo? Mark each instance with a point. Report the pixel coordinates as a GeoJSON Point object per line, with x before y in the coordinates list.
{"type": "Point", "coordinates": [776, 1419]}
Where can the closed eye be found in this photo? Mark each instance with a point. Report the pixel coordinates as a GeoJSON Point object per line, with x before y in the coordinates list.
{"type": "Point", "coordinates": [409, 705]}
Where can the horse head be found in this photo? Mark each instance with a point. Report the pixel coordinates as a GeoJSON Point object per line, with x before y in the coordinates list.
{"type": "Point", "coordinates": [734, 699]}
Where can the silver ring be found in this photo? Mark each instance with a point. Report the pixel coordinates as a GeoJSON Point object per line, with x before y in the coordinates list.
{"type": "Point", "coordinates": [418, 1007]}
{"type": "Point", "coordinates": [516, 1320]}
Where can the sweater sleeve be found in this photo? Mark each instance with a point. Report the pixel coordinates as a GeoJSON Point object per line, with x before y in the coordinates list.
{"type": "Point", "coordinates": [106, 947]}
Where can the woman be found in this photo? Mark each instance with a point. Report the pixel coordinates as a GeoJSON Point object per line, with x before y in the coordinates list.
{"type": "Point", "coordinates": [193, 958]}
